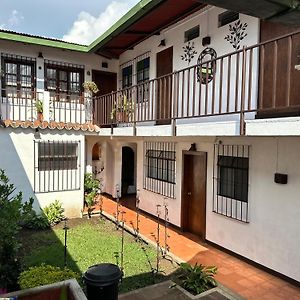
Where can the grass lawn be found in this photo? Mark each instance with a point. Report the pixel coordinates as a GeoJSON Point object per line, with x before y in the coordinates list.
{"type": "Point", "coordinates": [90, 242]}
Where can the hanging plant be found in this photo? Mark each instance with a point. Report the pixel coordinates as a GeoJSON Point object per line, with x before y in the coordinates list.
{"type": "Point", "coordinates": [91, 87]}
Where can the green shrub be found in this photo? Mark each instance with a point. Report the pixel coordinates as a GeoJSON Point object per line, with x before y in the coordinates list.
{"type": "Point", "coordinates": [91, 184]}
{"type": "Point", "coordinates": [10, 216]}
{"type": "Point", "coordinates": [54, 212]}
{"type": "Point", "coordinates": [197, 279]}
{"type": "Point", "coordinates": [44, 274]}
{"type": "Point", "coordinates": [32, 220]}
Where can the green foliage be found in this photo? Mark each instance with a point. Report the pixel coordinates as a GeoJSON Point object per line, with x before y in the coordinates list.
{"type": "Point", "coordinates": [31, 220]}
{"type": "Point", "coordinates": [91, 184]}
{"type": "Point", "coordinates": [197, 279]}
{"type": "Point", "coordinates": [54, 212]}
{"type": "Point", "coordinates": [91, 242]}
{"type": "Point", "coordinates": [44, 274]}
{"type": "Point", "coordinates": [39, 106]}
{"type": "Point", "coordinates": [10, 215]}
{"type": "Point", "coordinates": [91, 188]}
{"type": "Point", "coordinates": [123, 105]}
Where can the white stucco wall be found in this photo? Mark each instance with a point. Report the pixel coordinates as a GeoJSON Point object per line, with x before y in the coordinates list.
{"type": "Point", "coordinates": [271, 237]}
{"type": "Point", "coordinates": [17, 159]}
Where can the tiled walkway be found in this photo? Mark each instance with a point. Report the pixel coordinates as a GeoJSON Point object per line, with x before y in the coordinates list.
{"type": "Point", "coordinates": [237, 275]}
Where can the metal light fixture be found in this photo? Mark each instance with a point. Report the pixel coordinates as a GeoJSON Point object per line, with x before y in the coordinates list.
{"type": "Point", "coordinates": [40, 55]}
{"type": "Point", "coordinates": [162, 43]}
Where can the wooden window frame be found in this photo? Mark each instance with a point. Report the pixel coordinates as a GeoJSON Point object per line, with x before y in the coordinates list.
{"type": "Point", "coordinates": [125, 76]}
{"type": "Point", "coordinates": [68, 70]}
{"type": "Point", "coordinates": [18, 61]}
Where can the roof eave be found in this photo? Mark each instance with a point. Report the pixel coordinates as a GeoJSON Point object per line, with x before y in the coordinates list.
{"type": "Point", "coordinates": [138, 11]}
{"type": "Point", "coordinates": [42, 42]}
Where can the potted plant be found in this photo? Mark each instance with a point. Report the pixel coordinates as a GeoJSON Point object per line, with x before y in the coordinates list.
{"type": "Point", "coordinates": [91, 189]}
{"type": "Point", "coordinates": [39, 110]}
{"type": "Point", "coordinates": [197, 279]}
{"type": "Point", "coordinates": [123, 109]}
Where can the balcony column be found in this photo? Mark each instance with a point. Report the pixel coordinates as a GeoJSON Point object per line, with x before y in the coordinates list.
{"type": "Point", "coordinates": [46, 106]}
{"type": "Point", "coordinates": [88, 104]}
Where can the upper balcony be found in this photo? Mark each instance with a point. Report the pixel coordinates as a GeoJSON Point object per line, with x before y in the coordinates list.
{"type": "Point", "coordinates": [24, 105]}
{"type": "Point", "coordinates": [260, 81]}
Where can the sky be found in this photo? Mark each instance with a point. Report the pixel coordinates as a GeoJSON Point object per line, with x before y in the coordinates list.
{"type": "Point", "coordinates": [71, 20]}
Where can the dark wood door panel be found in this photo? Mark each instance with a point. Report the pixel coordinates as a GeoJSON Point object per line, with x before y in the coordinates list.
{"type": "Point", "coordinates": [194, 194]}
{"type": "Point", "coordinates": [279, 62]}
{"type": "Point", "coordinates": [164, 66]}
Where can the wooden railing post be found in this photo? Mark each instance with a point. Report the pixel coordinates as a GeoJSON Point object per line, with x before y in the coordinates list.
{"type": "Point", "coordinates": [242, 113]}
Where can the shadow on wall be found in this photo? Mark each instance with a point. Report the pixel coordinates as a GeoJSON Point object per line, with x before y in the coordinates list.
{"type": "Point", "coordinates": [13, 164]}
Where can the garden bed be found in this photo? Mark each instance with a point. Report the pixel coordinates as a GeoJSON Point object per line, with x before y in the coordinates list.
{"type": "Point", "coordinates": [91, 242]}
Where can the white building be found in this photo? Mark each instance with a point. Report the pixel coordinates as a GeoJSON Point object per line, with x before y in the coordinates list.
{"type": "Point", "coordinates": [198, 107]}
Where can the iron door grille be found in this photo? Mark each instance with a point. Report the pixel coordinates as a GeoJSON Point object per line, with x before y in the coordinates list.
{"type": "Point", "coordinates": [57, 166]}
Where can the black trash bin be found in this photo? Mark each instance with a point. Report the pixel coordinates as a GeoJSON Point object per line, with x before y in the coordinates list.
{"type": "Point", "coordinates": [102, 281]}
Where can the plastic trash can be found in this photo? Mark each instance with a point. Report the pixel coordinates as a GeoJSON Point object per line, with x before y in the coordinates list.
{"type": "Point", "coordinates": [102, 281]}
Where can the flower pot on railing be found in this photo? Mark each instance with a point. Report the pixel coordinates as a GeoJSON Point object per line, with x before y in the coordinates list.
{"type": "Point", "coordinates": [123, 110]}
{"type": "Point", "coordinates": [122, 116]}
{"type": "Point", "coordinates": [40, 116]}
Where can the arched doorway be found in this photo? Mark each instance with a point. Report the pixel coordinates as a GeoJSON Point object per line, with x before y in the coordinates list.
{"type": "Point", "coordinates": [127, 169]}
{"type": "Point", "coordinates": [97, 162]}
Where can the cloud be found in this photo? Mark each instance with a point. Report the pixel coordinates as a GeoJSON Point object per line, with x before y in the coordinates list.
{"type": "Point", "coordinates": [14, 20]}
{"type": "Point", "coordinates": [87, 27]}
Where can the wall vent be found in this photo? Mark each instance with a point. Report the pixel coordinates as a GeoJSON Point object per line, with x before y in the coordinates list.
{"type": "Point", "coordinates": [227, 17]}
{"type": "Point", "coordinates": [192, 33]}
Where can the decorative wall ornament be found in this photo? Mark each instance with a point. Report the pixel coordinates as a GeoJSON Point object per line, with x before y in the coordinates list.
{"type": "Point", "coordinates": [206, 65]}
{"type": "Point", "coordinates": [189, 52]}
{"type": "Point", "coordinates": [237, 34]}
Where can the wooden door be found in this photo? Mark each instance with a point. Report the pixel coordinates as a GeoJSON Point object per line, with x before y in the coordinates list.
{"type": "Point", "coordinates": [107, 83]}
{"type": "Point", "coordinates": [193, 206]}
{"type": "Point", "coordinates": [164, 66]}
{"type": "Point", "coordinates": [280, 96]}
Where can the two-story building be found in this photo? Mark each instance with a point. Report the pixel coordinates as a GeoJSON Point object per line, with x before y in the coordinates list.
{"type": "Point", "coordinates": [198, 108]}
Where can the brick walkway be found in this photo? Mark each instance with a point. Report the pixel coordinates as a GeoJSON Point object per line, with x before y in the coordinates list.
{"type": "Point", "coordinates": [235, 274]}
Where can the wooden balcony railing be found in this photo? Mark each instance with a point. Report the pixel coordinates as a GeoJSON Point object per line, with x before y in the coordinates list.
{"type": "Point", "coordinates": [258, 79]}
{"type": "Point", "coordinates": [21, 105]}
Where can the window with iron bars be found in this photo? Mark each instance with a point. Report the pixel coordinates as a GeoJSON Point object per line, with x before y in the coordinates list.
{"type": "Point", "coordinates": [160, 168]}
{"type": "Point", "coordinates": [231, 181]}
{"type": "Point", "coordinates": [18, 76]}
{"type": "Point", "coordinates": [56, 166]}
{"type": "Point", "coordinates": [143, 71]}
{"type": "Point", "coordinates": [63, 81]}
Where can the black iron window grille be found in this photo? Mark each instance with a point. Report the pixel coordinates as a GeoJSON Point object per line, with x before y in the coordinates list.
{"type": "Point", "coordinates": [160, 168]}
{"type": "Point", "coordinates": [231, 181]}
{"type": "Point", "coordinates": [56, 166]}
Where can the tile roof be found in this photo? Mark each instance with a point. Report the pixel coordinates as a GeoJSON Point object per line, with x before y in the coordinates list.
{"type": "Point", "coordinates": [52, 125]}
